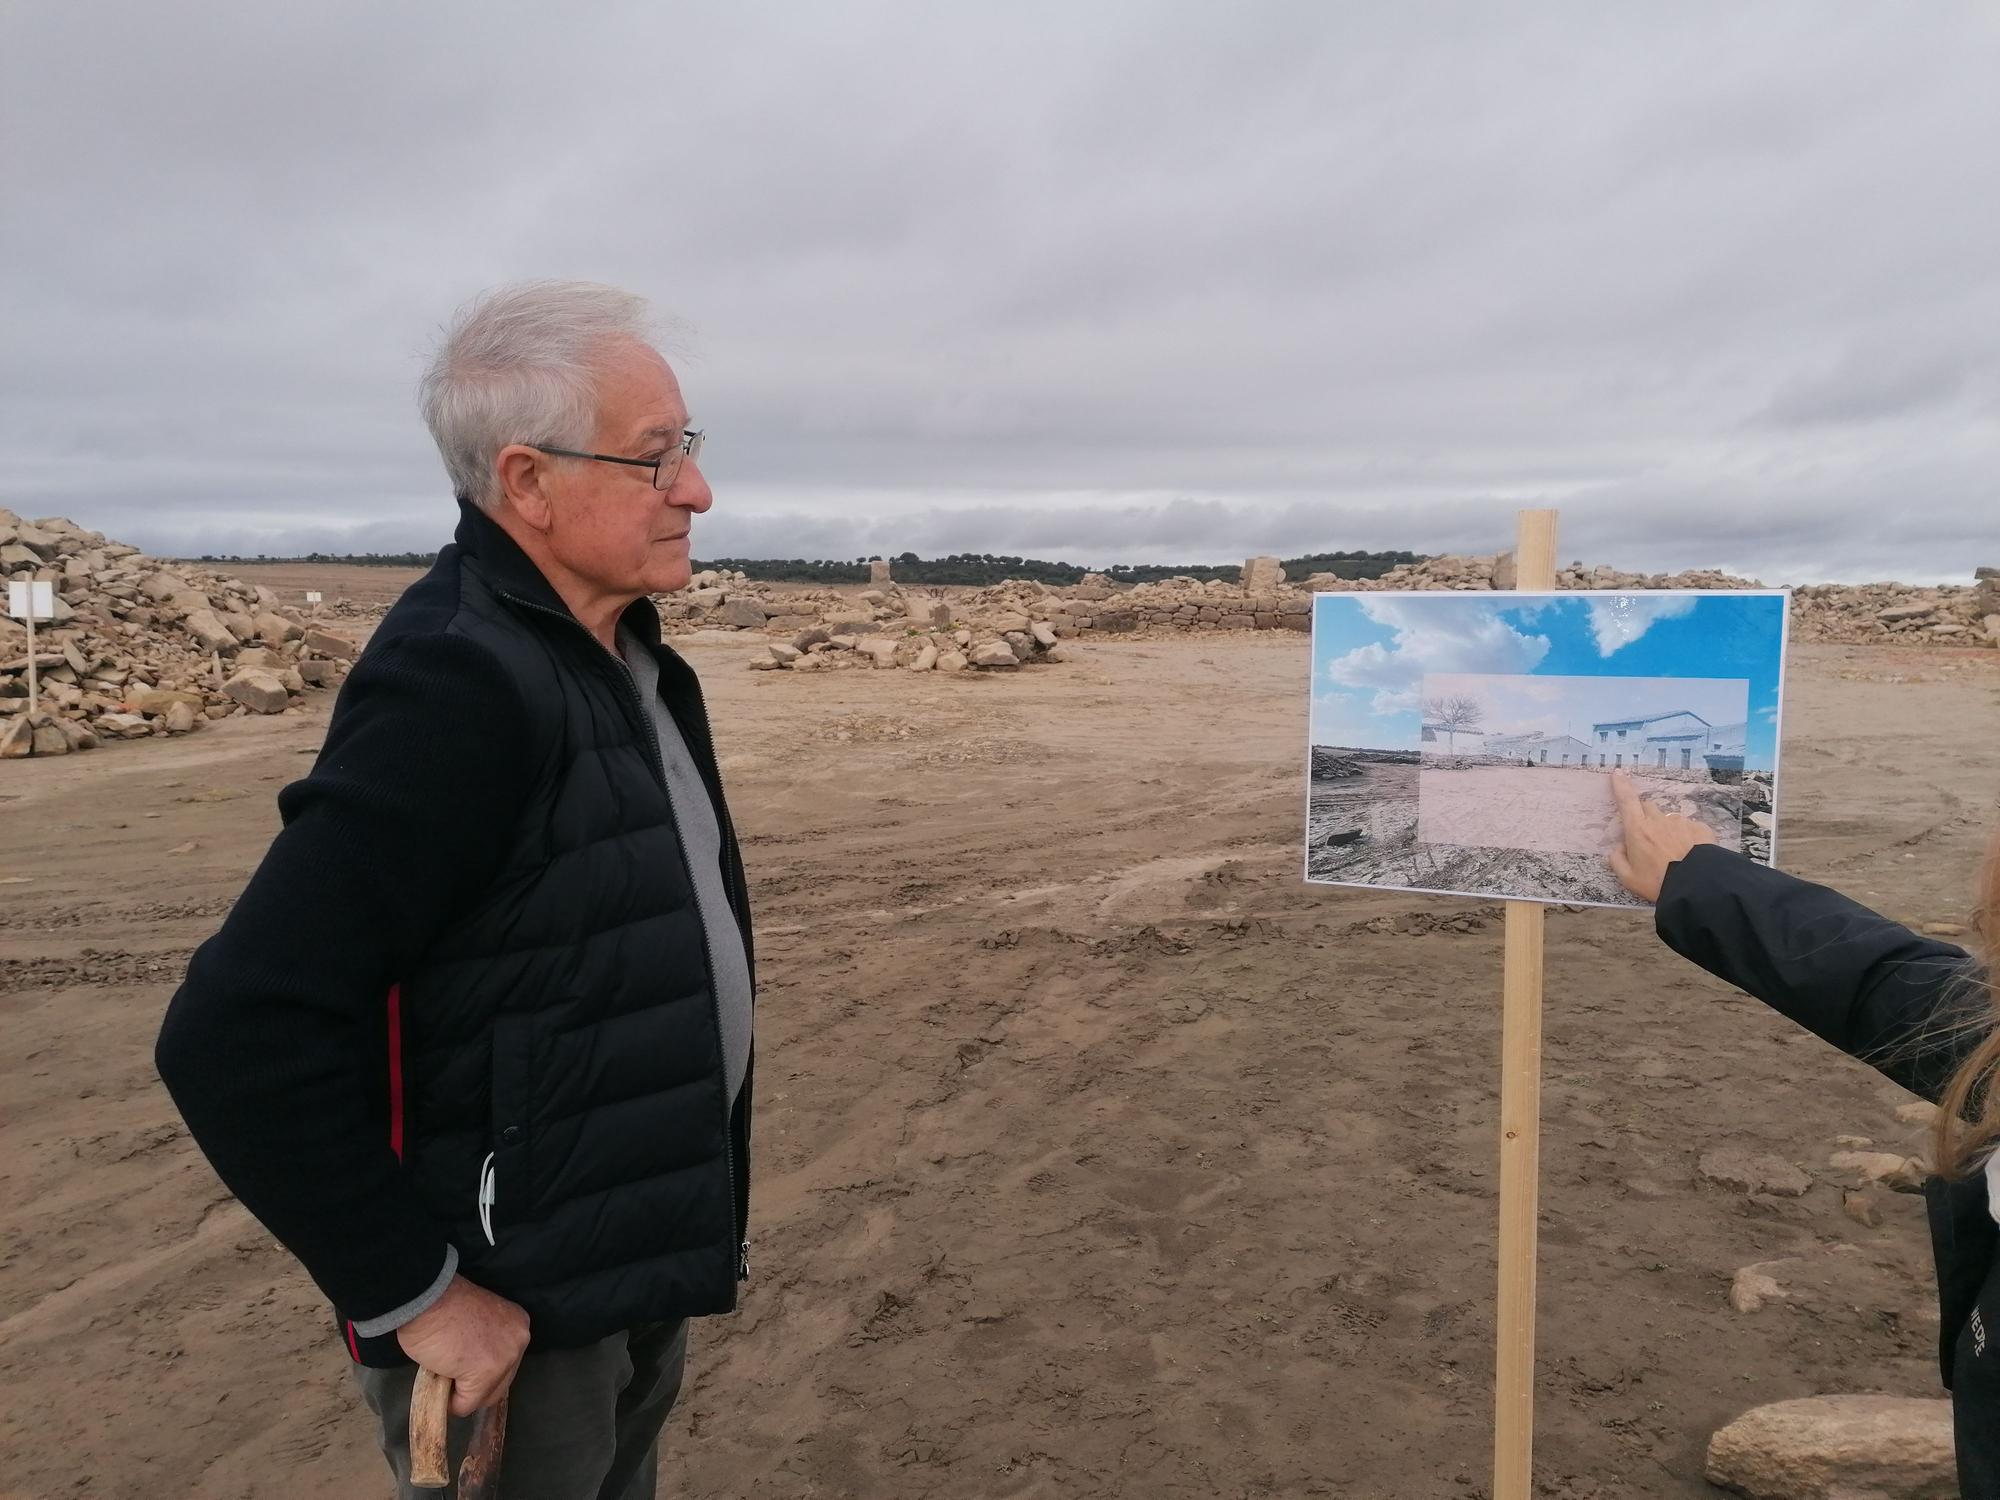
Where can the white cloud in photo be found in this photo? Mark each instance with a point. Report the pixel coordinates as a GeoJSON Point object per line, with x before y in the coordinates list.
{"type": "Point", "coordinates": [1431, 635]}
{"type": "Point", "coordinates": [1348, 719]}
{"type": "Point", "coordinates": [1616, 622]}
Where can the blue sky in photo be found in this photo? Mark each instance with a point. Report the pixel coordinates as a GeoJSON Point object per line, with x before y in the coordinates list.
{"type": "Point", "coordinates": [1371, 653]}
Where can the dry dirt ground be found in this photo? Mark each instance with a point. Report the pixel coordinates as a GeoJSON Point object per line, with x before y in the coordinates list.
{"type": "Point", "coordinates": [1097, 1154]}
{"type": "Point", "coordinates": [1512, 830]}
{"type": "Point", "coordinates": [1560, 811]}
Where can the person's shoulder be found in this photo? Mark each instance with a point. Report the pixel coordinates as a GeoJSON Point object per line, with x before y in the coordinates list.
{"type": "Point", "coordinates": [423, 653]}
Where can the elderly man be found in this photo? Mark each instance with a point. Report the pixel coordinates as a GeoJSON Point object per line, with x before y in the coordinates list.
{"type": "Point", "coordinates": [475, 1043]}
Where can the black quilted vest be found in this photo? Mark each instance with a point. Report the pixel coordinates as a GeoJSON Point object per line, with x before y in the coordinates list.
{"type": "Point", "coordinates": [561, 1040]}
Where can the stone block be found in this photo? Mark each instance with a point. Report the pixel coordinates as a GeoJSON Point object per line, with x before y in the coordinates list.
{"type": "Point", "coordinates": [326, 643]}
{"type": "Point", "coordinates": [259, 690]}
{"type": "Point", "coordinates": [1263, 573]}
{"type": "Point", "coordinates": [1838, 1448]}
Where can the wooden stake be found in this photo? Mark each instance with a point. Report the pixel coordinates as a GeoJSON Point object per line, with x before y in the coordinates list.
{"type": "Point", "coordinates": [34, 686]}
{"type": "Point", "coordinates": [1520, 1124]}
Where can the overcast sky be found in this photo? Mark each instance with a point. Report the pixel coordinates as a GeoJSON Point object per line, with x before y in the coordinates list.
{"type": "Point", "coordinates": [1106, 282]}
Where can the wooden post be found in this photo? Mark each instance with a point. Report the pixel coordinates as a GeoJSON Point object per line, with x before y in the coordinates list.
{"type": "Point", "coordinates": [32, 681]}
{"type": "Point", "coordinates": [1520, 1124]}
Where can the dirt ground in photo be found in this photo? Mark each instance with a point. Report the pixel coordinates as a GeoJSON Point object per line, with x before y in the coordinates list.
{"type": "Point", "coordinates": [1097, 1153]}
{"type": "Point", "coordinates": [1566, 810]}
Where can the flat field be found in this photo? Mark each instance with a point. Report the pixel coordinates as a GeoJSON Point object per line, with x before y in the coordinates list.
{"type": "Point", "coordinates": [1097, 1154]}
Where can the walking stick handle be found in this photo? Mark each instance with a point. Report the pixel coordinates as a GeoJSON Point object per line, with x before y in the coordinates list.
{"type": "Point", "coordinates": [430, 1405]}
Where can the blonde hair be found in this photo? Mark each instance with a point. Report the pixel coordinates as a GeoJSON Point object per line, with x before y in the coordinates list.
{"type": "Point", "coordinates": [1968, 1123]}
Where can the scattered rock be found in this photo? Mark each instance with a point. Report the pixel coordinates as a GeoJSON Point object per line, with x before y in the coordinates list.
{"type": "Point", "coordinates": [1943, 929]}
{"type": "Point", "coordinates": [180, 719]}
{"type": "Point", "coordinates": [1746, 1171]}
{"type": "Point", "coordinates": [1753, 1286]}
{"type": "Point", "coordinates": [994, 654]}
{"type": "Point", "coordinates": [1838, 1448]}
{"type": "Point", "coordinates": [1862, 1208]}
{"type": "Point", "coordinates": [1916, 1112]}
{"type": "Point", "coordinates": [1905, 1174]}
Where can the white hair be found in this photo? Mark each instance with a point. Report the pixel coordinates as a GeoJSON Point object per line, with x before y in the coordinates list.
{"type": "Point", "coordinates": [520, 364]}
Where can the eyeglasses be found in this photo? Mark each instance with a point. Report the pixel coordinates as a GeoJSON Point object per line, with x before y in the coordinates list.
{"type": "Point", "coordinates": [665, 468]}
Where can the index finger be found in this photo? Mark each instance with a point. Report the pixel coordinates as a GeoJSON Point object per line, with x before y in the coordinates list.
{"type": "Point", "coordinates": [1630, 804]}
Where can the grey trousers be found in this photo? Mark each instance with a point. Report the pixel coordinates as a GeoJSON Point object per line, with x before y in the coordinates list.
{"type": "Point", "coordinates": [582, 1424]}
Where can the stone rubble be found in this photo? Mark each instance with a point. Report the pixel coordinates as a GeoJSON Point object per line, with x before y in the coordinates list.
{"type": "Point", "coordinates": [140, 648]}
{"type": "Point", "coordinates": [888, 627]}
{"type": "Point", "coordinates": [1263, 599]}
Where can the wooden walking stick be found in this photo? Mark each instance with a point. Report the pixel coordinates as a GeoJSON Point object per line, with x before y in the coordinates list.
{"type": "Point", "coordinates": [1520, 1125]}
{"type": "Point", "coordinates": [430, 1464]}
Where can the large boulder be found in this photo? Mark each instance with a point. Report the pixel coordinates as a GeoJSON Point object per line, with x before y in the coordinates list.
{"type": "Point", "coordinates": [994, 654]}
{"type": "Point", "coordinates": [259, 690]}
{"type": "Point", "coordinates": [326, 643]}
{"type": "Point", "coordinates": [274, 629]}
{"type": "Point", "coordinates": [210, 632]}
{"type": "Point", "coordinates": [1838, 1448]}
{"type": "Point", "coordinates": [743, 614]}
{"type": "Point", "coordinates": [1262, 574]}
{"type": "Point", "coordinates": [881, 649]}
{"type": "Point", "coordinates": [154, 702]}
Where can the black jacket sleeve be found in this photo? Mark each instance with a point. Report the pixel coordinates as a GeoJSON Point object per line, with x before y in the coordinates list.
{"type": "Point", "coordinates": [1910, 1006]}
{"type": "Point", "coordinates": [274, 1048]}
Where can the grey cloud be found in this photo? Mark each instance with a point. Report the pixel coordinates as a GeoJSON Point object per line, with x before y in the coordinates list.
{"type": "Point", "coordinates": [1150, 281]}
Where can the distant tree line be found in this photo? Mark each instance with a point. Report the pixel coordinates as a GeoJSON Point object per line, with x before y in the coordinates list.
{"type": "Point", "coordinates": [977, 569]}
{"type": "Point", "coordinates": [355, 559]}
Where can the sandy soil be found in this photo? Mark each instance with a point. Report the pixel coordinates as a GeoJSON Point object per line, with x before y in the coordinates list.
{"type": "Point", "coordinates": [1557, 812]}
{"type": "Point", "coordinates": [1098, 1154]}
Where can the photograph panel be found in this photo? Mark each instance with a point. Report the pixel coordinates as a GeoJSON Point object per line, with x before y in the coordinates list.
{"type": "Point", "coordinates": [1464, 743]}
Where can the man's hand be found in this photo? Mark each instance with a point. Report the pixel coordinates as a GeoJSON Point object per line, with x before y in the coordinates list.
{"type": "Point", "coordinates": [1653, 840]}
{"type": "Point", "coordinates": [471, 1336]}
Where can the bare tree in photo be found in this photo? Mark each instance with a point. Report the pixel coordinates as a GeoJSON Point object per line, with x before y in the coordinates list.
{"type": "Point", "coordinates": [1453, 716]}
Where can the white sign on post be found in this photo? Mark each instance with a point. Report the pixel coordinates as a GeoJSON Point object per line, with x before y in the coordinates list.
{"type": "Point", "coordinates": [312, 596]}
{"type": "Point", "coordinates": [31, 601]}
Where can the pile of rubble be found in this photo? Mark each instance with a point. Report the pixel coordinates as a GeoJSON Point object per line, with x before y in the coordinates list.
{"type": "Point", "coordinates": [139, 648]}
{"type": "Point", "coordinates": [1859, 613]}
{"type": "Point", "coordinates": [1262, 599]}
{"type": "Point", "coordinates": [892, 627]}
